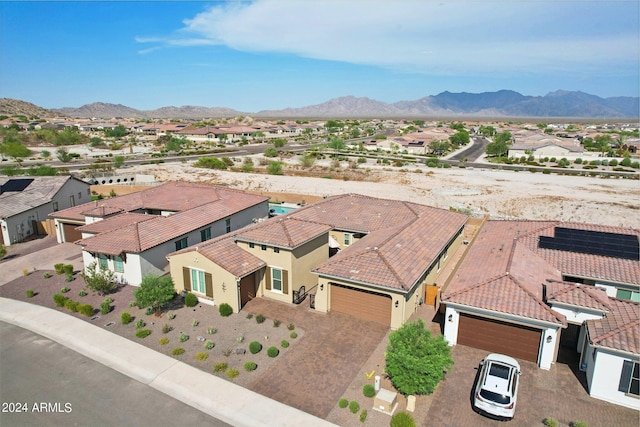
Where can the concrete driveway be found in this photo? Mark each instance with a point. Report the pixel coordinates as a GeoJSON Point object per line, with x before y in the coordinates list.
{"type": "Point", "coordinates": [556, 393]}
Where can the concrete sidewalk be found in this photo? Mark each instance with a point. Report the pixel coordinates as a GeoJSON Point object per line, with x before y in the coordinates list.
{"type": "Point", "coordinates": [207, 393]}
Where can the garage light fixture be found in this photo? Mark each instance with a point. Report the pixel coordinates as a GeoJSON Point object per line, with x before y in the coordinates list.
{"type": "Point", "coordinates": [396, 304]}
{"type": "Point", "coordinates": [322, 286]}
{"type": "Point", "coordinates": [450, 318]}
{"type": "Point", "coordinates": [549, 339]}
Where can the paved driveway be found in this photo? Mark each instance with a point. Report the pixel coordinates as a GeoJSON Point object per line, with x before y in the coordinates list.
{"type": "Point", "coordinates": [314, 374]}
{"type": "Point", "coordinates": [556, 393]}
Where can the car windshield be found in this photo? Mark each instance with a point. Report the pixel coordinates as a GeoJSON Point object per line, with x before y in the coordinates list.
{"type": "Point", "coordinates": [500, 371]}
{"type": "Point", "coordinates": [495, 397]}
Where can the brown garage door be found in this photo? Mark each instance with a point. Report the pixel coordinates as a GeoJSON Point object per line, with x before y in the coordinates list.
{"type": "Point", "coordinates": [499, 337]}
{"type": "Point", "coordinates": [70, 232]}
{"type": "Point", "coordinates": [361, 304]}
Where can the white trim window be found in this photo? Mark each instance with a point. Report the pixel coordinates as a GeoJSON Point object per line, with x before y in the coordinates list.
{"type": "Point", "coordinates": [103, 261]}
{"type": "Point", "coordinates": [276, 279]}
{"type": "Point", "coordinates": [630, 378]}
{"type": "Point", "coordinates": [197, 281]}
{"type": "Point", "coordinates": [118, 264]}
{"type": "Point", "coordinates": [348, 237]}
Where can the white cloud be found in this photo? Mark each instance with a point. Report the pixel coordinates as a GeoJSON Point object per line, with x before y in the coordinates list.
{"type": "Point", "coordinates": [452, 37]}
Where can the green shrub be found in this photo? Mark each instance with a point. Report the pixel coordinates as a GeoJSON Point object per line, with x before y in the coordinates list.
{"type": "Point", "coordinates": [184, 337]}
{"type": "Point", "coordinates": [143, 333]}
{"type": "Point", "coordinates": [402, 419]}
{"type": "Point", "coordinates": [250, 366]}
{"type": "Point", "coordinates": [67, 269]}
{"type": "Point", "coordinates": [354, 406]}
{"type": "Point", "coordinates": [190, 300]}
{"type": "Point", "coordinates": [210, 162]}
{"type": "Point", "coordinates": [613, 162]}
{"type": "Point", "coordinates": [202, 356]}
{"type": "Point", "coordinates": [250, 316]}
{"type": "Point", "coordinates": [369, 390]}
{"type": "Point", "coordinates": [363, 415]}
{"type": "Point", "coordinates": [232, 373]}
{"type": "Point", "coordinates": [293, 335]}
{"type": "Point", "coordinates": [86, 309]}
{"type": "Point", "coordinates": [30, 293]}
{"type": "Point", "coordinates": [343, 403]}
{"type": "Point", "coordinates": [82, 293]}
{"type": "Point", "coordinates": [550, 422]}
{"type": "Point", "coordinates": [126, 318]}
{"type": "Point", "coordinates": [219, 367]}
{"type": "Point", "coordinates": [46, 275]}
{"type": "Point", "coordinates": [177, 351]}
{"type": "Point", "coordinates": [59, 268]}
{"type": "Point", "coordinates": [273, 351]}
{"type": "Point", "coordinates": [284, 343]}
{"type": "Point", "coordinates": [211, 331]}
{"type": "Point", "coordinates": [579, 424]}
{"type": "Point", "coordinates": [148, 311]}
{"type": "Point", "coordinates": [71, 305]}
{"type": "Point", "coordinates": [255, 347]}
{"type": "Point", "coordinates": [260, 318]}
{"type": "Point", "coordinates": [65, 290]}
{"type": "Point", "coordinates": [209, 345]}
{"type": "Point", "coordinates": [195, 323]}
{"type": "Point", "coordinates": [105, 308]}
{"type": "Point", "coordinates": [140, 324]}
{"type": "Point", "coordinates": [291, 326]}
{"type": "Point", "coordinates": [166, 328]}
{"type": "Point", "coordinates": [171, 316]}
{"type": "Point", "coordinates": [225, 310]}
{"type": "Point", "coordinates": [276, 323]}
{"type": "Point", "coordinates": [163, 341]}
{"type": "Point", "coordinates": [69, 278]}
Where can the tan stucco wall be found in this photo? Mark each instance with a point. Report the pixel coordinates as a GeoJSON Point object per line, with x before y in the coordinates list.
{"type": "Point", "coordinates": [339, 236]}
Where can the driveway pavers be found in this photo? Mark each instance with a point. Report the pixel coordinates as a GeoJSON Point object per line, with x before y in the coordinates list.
{"type": "Point", "coordinates": [314, 374]}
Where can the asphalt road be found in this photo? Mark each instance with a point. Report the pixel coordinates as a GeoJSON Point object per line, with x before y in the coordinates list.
{"type": "Point", "coordinates": [474, 152]}
{"type": "Point", "coordinates": [55, 386]}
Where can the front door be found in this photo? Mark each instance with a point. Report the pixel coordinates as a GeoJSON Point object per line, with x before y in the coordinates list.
{"type": "Point", "coordinates": [248, 288]}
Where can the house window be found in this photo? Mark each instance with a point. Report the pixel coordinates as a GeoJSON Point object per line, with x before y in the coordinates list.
{"type": "Point", "coordinates": [72, 200]}
{"type": "Point", "coordinates": [628, 295]}
{"type": "Point", "coordinates": [55, 206]}
{"type": "Point", "coordinates": [276, 279]}
{"type": "Point", "coordinates": [227, 223]}
{"type": "Point", "coordinates": [263, 247]}
{"type": "Point", "coordinates": [630, 378]}
{"type": "Point", "coordinates": [251, 245]}
{"type": "Point", "coordinates": [347, 239]}
{"type": "Point", "coordinates": [79, 195]}
{"type": "Point", "coordinates": [276, 250]}
{"type": "Point", "coordinates": [181, 244]}
{"type": "Point", "coordinates": [104, 262]}
{"type": "Point", "coordinates": [197, 281]}
{"type": "Point", "coordinates": [118, 264]}
{"type": "Point", "coordinates": [205, 234]}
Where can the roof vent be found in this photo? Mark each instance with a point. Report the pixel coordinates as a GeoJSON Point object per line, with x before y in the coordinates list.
{"type": "Point", "coordinates": [354, 271]}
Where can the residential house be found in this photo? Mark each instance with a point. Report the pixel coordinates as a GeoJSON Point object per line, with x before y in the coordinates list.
{"type": "Point", "coordinates": [367, 257]}
{"type": "Point", "coordinates": [541, 146]}
{"type": "Point", "coordinates": [26, 202]}
{"type": "Point", "coordinates": [536, 289]}
{"type": "Point", "coordinates": [132, 234]}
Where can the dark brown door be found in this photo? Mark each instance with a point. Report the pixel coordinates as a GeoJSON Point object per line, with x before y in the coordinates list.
{"type": "Point", "coordinates": [495, 336]}
{"type": "Point", "coordinates": [361, 304]}
{"type": "Point", "coordinates": [247, 289]}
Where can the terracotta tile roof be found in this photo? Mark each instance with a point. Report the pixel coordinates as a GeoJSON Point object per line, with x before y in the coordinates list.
{"type": "Point", "coordinates": [100, 210]}
{"type": "Point", "coordinates": [283, 231]}
{"type": "Point", "coordinates": [618, 330]}
{"type": "Point", "coordinates": [578, 295]}
{"type": "Point", "coordinates": [116, 222]}
{"type": "Point", "coordinates": [396, 257]}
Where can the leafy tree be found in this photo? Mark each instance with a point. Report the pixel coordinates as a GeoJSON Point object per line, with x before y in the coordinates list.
{"type": "Point", "coordinates": [497, 149]}
{"type": "Point", "coordinates": [63, 155]}
{"type": "Point", "coordinates": [247, 165]}
{"type": "Point", "coordinates": [460, 138]}
{"type": "Point", "coordinates": [337, 144]}
{"type": "Point", "coordinates": [487, 130]}
{"type": "Point", "coordinates": [274, 168]}
{"type": "Point", "coordinates": [457, 126]}
{"type": "Point", "coordinates": [14, 150]}
{"type": "Point", "coordinates": [258, 134]}
{"type": "Point", "coordinates": [100, 280]}
{"type": "Point", "coordinates": [354, 133]}
{"type": "Point", "coordinates": [96, 141]}
{"type": "Point", "coordinates": [69, 136]}
{"type": "Point", "coordinates": [210, 162]}
{"type": "Point", "coordinates": [270, 152]}
{"type": "Point", "coordinates": [307, 161]}
{"type": "Point", "coordinates": [42, 170]}
{"type": "Point", "coordinates": [505, 137]}
{"type": "Point", "coordinates": [279, 142]}
{"type": "Point", "coordinates": [439, 147]}
{"type": "Point", "coordinates": [154, 292]}
{"type": "Point", "coordinates": [174, 144]}
{"type": "Point", "coordinates": [117, 132]}
{"type": "Point", "coordinates": [118, 161]}
{"type": "Point", "coordinates": [415, 361]}
{"type": "Point", "coordinates": [333, 125]}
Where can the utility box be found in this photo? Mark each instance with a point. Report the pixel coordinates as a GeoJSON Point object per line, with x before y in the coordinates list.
{"type": "Point", "coordinates": [386, 401]}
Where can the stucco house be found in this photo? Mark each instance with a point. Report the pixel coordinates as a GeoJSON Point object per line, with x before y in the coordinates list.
{"type": "Point", "coordinates": [25, 203]}
{"type": "Point", "coordinates": [533, 289]}
{"type": "Point", "coordinates": [132, 234]}
{"type": "Point", "coordinates": [367, 257]}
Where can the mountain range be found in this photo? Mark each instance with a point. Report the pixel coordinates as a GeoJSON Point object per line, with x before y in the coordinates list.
{"type": "Point", "coordinates": [503, 103]}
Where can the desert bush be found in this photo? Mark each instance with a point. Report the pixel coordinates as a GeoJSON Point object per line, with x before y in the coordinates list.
{"type": "Point", "coordinates": [148, 311]}
{"type": "Point", "coordinates": [402, 419]}
{"type": "Point", "coordinates": [177, 351]}
{"type": "Point", "coordinates": [369, 390]}
{"type": "Point", "coordinates": [550, 422]}
{"type": "Point", "coordinates": [354, 406]}
{"type": "Point", "coordinates": [255, 347]}
{"type": "Point", "coordinates": [171, 316]}
{"type": "Point", "coordinates": [225, 310]}
{"type": "Point", "coordinates": [190, 300]}
{"type": "Point", "coordinates": [273, 351]}
{"type": "Point", "coordinates": [209, 345]}
{"type": "Point", "coordinates": [227, 352]}
{"type": "Point", "coordinates": [67, 269]}
{"type": "Point", "coordinates": [100, 280]}
{"type": "Point", "coordinates": [250, 316]}
{"type": "Point", "coordinates": [343, 403]}
{"type": "Point", "coordinates": [195, 323]}
{"type": "Point", "coordinates": [284, 343]}
{"type": "Point", "coordinates": [291, 326]}
{"type": "Point", "coordinates": [82, 293]}
{"type": "Point", "coordinates": [86, 309]}
{"type": "Point", "coordinates": [64, 290]}
{"type": "Point", "coordinates": [202, 356]}
{"type": "Point", "coordinates": [293, 335]}
{"type": "Point", "coordinates": [219, 367]}
{"type": "Point", "coordinates": [59, 268]}
{"type": "Point", "coordinates": [184, 337]}
{"type": "Point", "coordinates": [166, 328]}
{"type": "Point", "coordinates": [30, 293]}
{"type": "Point", "coordinates": [69, 277]}
{"type": "Point", "coordinates": [71, 305]}
{"type": "Point", "coordinates": [240, 338]}
{"type": "Point", "coordinates": [143, 333]}
{"type": "Point", "coordinates": [105, 308]}
{"type": "Point", "coordinates": [232, 373]}
{"type": "Point", "coordinates": [126, 318]}
{"type": "Point", "coordinates": [250, 366]}
{"type": "Point", "coordinates": [578, 424]}
{"type": "Point", "coordinates": [140, 324]}
{"type": "Point", "coordinates": [363, 415]}
{"type": "Point", "coordinates": [211, 331]}
{"type": "Point", "coordinates": [276, 323]}
{"type": "Point", "coordinates": [260, 318]}
{"type": "Point", "coordinates": [163, 341]}
{"type": "Point", "coordinates": [46, 275]}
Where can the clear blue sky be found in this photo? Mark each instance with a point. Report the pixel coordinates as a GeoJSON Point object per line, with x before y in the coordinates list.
{"type": "Point", "coordinates": [272, 54]}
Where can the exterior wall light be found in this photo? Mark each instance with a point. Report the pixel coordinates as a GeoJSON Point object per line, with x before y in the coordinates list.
{"type": "Point", "coordinates": [322, 286]}
{"type": "Point", "coordinates": [396, 303]}
{"type": "Point", "coordinates": [450, 318]}
{"type": "Point", "coordinates": [549, 339]}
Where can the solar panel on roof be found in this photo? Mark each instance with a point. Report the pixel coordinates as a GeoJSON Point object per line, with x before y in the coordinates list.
{"type": "Point", "coordinates": [615, 245]}
{"type": "Point", "coordinates": [16, 185]}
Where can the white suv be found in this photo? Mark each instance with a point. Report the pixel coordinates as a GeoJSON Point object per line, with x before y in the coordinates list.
{"type": "Point", "coordinates": [497, 387]}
